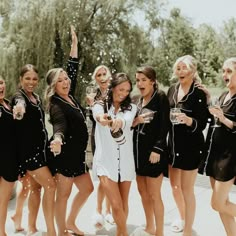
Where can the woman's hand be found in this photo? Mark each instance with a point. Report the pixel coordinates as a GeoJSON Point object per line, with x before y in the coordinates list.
{"type": "Point", "coordinates": [55, 145]}
{"type": "Point", "coordinates": [103, 119]}
{"type": "Point", "coordinates": [89, 100]}
{"type": "Point", "coordinates": [154, 157]}
{"type": "Point", "coordinates": [116, 124]}
{"type": "Point", "coordinates": [143, 118]}
{"type": "Point", "coordinates": [74, 43]}
{"type": "Point", "coordinates": [74, 38]}
{"type": "Point", "coordinates": [217, 112]}
{"type": "Point", "coordinates": [18, 110]}
{"type": "Point", "coordinates": [184, 119]}
{"type": "Point", "coordinates": [205, 90]}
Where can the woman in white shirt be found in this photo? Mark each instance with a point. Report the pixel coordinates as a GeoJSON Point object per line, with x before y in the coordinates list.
{"type": "Point", "coordinates": [113, 161]}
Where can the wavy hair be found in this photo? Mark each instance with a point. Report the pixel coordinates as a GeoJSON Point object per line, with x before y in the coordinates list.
{"type": "Point", "coordinates": [108, 75]}
{"type": "Point", "coordinates": [51, 77]}
{"type": "Point", "coordinates": [117, 79]}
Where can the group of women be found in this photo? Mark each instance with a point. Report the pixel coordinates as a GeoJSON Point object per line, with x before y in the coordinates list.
{"type": "Point", "coordinates": [53, 164]}
{"type": "Point", "coordinates": [152, 145]}
{"type": "Point", "coordinates": [162, 145]}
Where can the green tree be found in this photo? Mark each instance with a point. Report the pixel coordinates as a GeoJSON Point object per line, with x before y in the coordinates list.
{"type": "Point", "coordinates": [209, 53]}
{"type": "Point", "coordinates": [176, 39]}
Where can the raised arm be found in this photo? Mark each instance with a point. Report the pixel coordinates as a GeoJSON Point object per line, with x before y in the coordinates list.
{"type": "Point", "coordinates": [74, 43]}
{"type": "Point", "coordinates": [72, 65]}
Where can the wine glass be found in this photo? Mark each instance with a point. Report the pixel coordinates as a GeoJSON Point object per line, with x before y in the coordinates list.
{"type": "Point", "coordinates": [174, 112]}
{"type": "Point", "coordinates": [91, 91]}
{"type": "Point", "coordinates": [214, 104]}
{"type": "Point", "coordinates": [148, 115]}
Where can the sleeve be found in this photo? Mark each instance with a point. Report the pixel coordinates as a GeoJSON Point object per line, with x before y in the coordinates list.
{"type": "Point", "coordinates": [201, 113]}
{"type": "Point", "coordinates": [72, 71]}
{"type": "Point", "coordinates": [97, 109]}
{"type": "Point", "coordinates": [129, 117]}
{"type": "Point", "coordinates": [163, 123]}
{"type": "Point", "coordinates": [18, 98]}
{"type": "Point", "coordinates": [58, 121]}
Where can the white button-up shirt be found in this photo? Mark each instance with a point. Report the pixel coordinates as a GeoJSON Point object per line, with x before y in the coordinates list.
{"type": "Point", "coordinates": [110, 159]}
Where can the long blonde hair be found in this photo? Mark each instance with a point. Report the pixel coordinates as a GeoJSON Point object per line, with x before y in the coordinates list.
{"type": "Point", "coordinates": [97, 69]}
{"type": "Point", "coordinates": [51, 79]}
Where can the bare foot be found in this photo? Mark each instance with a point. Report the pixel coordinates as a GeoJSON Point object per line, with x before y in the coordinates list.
{"type": "Point", "coordinates": [17, 223]}
{"type": "Point", "coordinates": [65, 233]}
{"type": "Point", "coordinates": [150, 231]}
{"type": "Point", "coordinates": [73, 229]}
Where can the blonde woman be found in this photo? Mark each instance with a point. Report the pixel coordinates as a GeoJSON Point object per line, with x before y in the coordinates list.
{"type": "Point", "coordinates": [186, 140]}
{"type": "Point", "coordinates": [68, 143]}
{"type": "Point", "coordinates": [220, 162]}
{"type": "Point", "coordinates": [102, 77]}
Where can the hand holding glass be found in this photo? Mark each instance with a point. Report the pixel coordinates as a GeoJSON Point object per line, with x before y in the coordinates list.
{"type": "Point", "coordinates": [91, 91]}
{"type": "Point", "coordinates": [174, 112]}
{"type": "Point", "coordinates": [214, 105]}
{"type": "Point", "coordinates": [147, 115]}
{"type": "Point", "coordinates": [19, 109]}
{"type": "Point", "coordinates": [55, 145]}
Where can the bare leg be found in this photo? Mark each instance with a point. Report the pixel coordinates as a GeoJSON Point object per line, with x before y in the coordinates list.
{"type": "Point", "coordinates": [228, 221]}
{"type": "Point", "coordinates": [108, 206]}
{"type": "Point", "coordinates": [154, 191]}
{"type": "Point", "coordinates": [187, 184]}
{"type": "Point", "coordinates": [5, 193]}
{"type": "Point", "coordinates": [85, 187]}
{"type": "Point", "coordinates": [148, 209]}
{"type": "Point", "coordinates": [42, 177]}
{"type": "Point", "coordinates": [114, 195]}
{"type": "Point", "coordinates": [220, 202]}
{"type": "Point", "coordinates": [175, 181]}
{"type": "Point", "coordinates": [33, 205]}
{"type": "Point", "coordinates": [64, 186]}
{"type": "Point", "coordinates": [20, 199]}
{"type": "Point", "coordinates": [100, 198]}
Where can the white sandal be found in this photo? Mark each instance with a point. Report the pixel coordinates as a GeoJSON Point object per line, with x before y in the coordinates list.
{"type": "Point", "coordinates": [177, 226]}
{"type": "Point", "coordinates": [98, 221]}
{"type": "Point", "coordinates": [109, 219]}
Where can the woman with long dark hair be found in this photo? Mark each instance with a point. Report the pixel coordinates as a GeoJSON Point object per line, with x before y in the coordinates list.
{"type": "Point", "coordinates": [150, 148]}
{"type": "Point", "coordinates": [113, 159]}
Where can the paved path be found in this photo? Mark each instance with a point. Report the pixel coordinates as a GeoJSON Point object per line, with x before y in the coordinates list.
{"type": "Point", "coordinates": [207, 222]}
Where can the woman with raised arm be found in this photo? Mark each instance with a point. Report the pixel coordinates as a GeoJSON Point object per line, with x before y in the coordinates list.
{"type": "Point", "coordinates": [68, 144]}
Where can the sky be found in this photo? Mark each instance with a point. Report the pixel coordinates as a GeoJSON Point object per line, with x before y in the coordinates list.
{"type": "Point", "coordinates": [212, 12]}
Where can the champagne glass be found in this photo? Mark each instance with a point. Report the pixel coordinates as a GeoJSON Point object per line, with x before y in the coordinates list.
{"type": "Point", "coordinates": [174, 112]}
{"type": "Point", "coordinates": [91, 91]}
{"type": "Point", "coordinates": [148, 115]}
{"type": "Point", "coordinates": [214, 104]}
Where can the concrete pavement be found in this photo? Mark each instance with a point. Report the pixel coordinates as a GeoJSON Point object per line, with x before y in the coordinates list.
{"type": "Point", "coordinates": [207, 222]}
